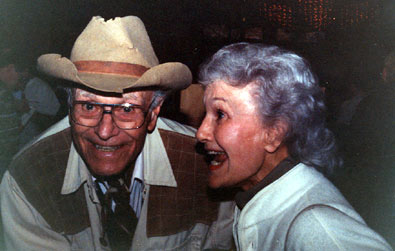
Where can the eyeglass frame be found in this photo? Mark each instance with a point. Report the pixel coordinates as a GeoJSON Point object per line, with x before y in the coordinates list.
{"type": "Point", "coordinates": [102, 105]}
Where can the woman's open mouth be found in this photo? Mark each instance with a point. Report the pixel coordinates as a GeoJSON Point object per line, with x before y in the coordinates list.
{"type": "Point", "coordinates": [217, 158]}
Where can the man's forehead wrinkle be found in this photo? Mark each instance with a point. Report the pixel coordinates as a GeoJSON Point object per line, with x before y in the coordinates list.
{"type": "Point", "coordinates": [140, 96]}
{"type": "Point", "coordinates": [83, 93]}
{"type": "Point", "coordinates": [137, 97]}
{"type": "Point", "coordinates": [131, 95]}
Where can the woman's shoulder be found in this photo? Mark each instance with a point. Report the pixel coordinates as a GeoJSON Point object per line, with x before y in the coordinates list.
{"type": "Point", "coordinates": [324, 226]}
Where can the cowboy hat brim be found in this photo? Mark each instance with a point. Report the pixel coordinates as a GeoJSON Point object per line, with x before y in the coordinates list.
{"type": "Point", "coordinates": [172, 75]}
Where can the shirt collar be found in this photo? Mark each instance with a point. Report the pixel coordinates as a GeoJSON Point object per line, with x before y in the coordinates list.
{"type": "Point", "coordinates": [157, 168]}
{"type": "Point", "coordinates": [138, 171]}
{"type": "Point", "coordinates": [242, 198]}
{"type": "Point", "coordinates": [76, 172]}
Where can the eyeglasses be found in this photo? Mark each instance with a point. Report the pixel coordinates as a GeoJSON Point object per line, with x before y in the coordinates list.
{"type": "Point", "coordinates": [125, 116]}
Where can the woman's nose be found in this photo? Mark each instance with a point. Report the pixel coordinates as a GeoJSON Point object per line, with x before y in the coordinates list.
{"type": "Point", "coordinates": [204, 133]}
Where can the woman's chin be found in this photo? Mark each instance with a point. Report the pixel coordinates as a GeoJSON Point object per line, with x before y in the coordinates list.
{"type": "Point", "coordinates": [217, 175]}
{"type": "Point", "coordinates": [216, 182]}
{"type": "Point", "coordinates": [214, 185]}
{"type": "Point", "coordinates": [214, 167]}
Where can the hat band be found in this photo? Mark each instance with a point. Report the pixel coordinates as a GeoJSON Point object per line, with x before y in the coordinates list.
{"type": "Point", "coordinates": [133, 70]}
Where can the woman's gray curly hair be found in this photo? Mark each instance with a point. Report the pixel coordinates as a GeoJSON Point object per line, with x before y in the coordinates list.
{"type": "Point", "coordinates": [287, 90]}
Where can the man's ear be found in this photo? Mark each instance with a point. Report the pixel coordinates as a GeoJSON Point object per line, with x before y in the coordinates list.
{"type": "Point", "coordinates": [153, 117]}
{"type": "Point", "coordinates": [274, 136]}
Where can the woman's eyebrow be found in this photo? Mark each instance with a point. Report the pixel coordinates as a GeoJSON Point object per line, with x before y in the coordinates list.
{"type": "Point", "coordinates": [220, 99]}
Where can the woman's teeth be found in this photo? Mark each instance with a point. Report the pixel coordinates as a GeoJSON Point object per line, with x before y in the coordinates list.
{"type": "Point", "coordinates": [218, 158]}
{"type": "Point", "coordinates": [106, 148]}
{"type": "Point", "coordinates": [215, 163]}
{"type": "Point", "coordinates": [214, 152]}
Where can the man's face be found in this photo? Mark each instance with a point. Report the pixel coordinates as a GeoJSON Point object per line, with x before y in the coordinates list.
{"type": "Point", "coordinates": [106, 149]}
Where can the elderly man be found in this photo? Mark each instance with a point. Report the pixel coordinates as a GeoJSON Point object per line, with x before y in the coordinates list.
{"type": "Point", "coordinates": [113, 175]}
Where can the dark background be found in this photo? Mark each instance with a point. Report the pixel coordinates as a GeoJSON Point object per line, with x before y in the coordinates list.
{"type": "Point", "coordinates": [189, 31]}
{"type": "Point", "coordinates": [345, 40]}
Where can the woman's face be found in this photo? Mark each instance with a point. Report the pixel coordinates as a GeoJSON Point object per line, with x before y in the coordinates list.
{"type": "Point", "coordinates": [234, 135]}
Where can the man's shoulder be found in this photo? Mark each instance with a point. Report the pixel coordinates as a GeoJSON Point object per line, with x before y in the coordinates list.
{"type": "Point", "coordinates": [39, 171]}
{"type": "Point", "coordinates": [57, 142]}
{"type": "Point", "coordinates": [177, 136]}
{"type": "Point", "coordinates": [190, 171]}
{"type": "Point", "coordinates": [176, 127]}
{"type": "Point", "coordinates": [42, 159]}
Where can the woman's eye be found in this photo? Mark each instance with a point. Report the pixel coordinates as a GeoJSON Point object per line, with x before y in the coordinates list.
{"type": "Point", "coordinates": [220, 114]}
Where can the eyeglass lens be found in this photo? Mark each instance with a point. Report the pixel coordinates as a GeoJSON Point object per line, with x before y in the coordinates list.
{"type": "Point", "coordinates": [125, 116]}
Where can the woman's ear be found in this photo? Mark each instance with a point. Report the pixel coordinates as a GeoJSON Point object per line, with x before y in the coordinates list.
{"type": "Point", "coordinates": [274, 136]}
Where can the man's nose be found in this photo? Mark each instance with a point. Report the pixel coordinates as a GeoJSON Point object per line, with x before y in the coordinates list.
{"type": "Point", "coordinates": [106, 128]}
{"type": "Point", "coordinates": [204, 133]}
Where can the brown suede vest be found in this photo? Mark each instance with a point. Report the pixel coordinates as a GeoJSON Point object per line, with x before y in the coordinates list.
{"type": "Point", "coordinates": [40, 170]}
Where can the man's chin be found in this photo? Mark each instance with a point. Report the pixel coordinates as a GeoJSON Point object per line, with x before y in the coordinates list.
{"type": "Point", "coordinates": [104, 170]}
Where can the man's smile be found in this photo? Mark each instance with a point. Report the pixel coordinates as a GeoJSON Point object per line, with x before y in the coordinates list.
{"type": "Point", "coordinates": [106, 148]}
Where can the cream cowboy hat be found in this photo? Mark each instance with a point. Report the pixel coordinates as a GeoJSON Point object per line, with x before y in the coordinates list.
{"type": "Point", "coordinates": [115, 55]}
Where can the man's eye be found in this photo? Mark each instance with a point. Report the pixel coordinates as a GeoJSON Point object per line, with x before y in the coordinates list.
{"type": "Point", "coordinates": [89, 107]}
{"type": "Point", "coordinates": [127, 109]}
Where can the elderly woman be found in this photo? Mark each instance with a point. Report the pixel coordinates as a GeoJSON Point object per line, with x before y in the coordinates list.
{"type": "Point", "coordinates": [265, 130]}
